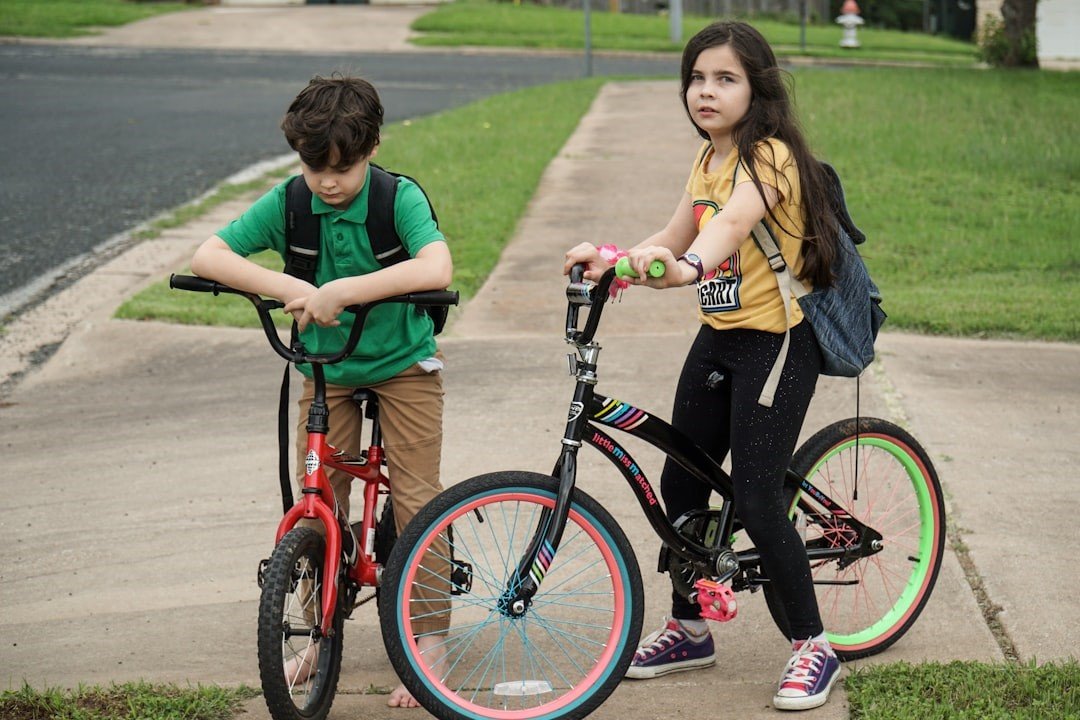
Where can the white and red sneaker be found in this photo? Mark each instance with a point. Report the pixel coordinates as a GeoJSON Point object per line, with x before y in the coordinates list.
{"type": "Point", "coordinates": [670, 649]}
{"type": "Point", "coordinates": [808, 677]}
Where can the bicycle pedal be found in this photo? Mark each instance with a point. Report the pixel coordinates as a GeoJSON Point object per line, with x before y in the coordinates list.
{"type": "Point", "coordinates": [717, 601]}
{"type": "Point", "coordinates": [461, 577]}
{"type": "Point", "coordinates": [260, 576]}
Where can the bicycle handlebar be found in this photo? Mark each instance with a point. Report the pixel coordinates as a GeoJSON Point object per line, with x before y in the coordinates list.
{"type": "Point", "coordinates": [297, 354]}
{"type": "Point", "coordinates": [578, 293]}
{"type": "Point", "coordinates": [624, 270]}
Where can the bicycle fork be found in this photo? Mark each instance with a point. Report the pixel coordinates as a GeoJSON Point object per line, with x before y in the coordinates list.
{"type": "Point", "coordinates": [525, 581]}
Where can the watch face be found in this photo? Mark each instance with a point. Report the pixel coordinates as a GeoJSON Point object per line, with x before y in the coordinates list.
{"type": "Point", "coordinates": [695, 261]}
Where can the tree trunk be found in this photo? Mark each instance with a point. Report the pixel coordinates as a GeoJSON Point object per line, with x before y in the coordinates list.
{"type": "Point", "coordinates": [1019, 17]}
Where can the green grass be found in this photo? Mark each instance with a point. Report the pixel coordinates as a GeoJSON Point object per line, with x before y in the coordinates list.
{"type": "Point", "coordinates": [965, 691]}
{"type": "Point", "coordinates": [480, 164]}
{"type": "Point", "coordinates": [969, 198]}
{"type": "Point", "coordinates": [133, 701]}
{"type": "Point", "coordinates": [501, 24]}
{"type": "Point", "coordinates": [69, 18]}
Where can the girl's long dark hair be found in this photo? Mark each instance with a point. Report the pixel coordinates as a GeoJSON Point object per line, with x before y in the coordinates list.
{"type": "Point", "coordinates": [771, 115]}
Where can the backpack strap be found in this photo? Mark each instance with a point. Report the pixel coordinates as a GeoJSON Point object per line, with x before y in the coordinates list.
{"type": "Point", "coordinates": [381, 226]}
{"type": "Point", "coordinates": [301, 231]}
{"type": "Point", "coordinates": [301, 258]}
{"type": "Point", "coordinates": [703, 154]}
{"type": "Point", "coordinates": [381, 229]}
{"type": "Point", "coordinates": [788, 285]}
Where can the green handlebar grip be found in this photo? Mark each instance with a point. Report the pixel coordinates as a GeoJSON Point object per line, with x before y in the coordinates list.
{"type": "Point", "coordinates": [623, 269]}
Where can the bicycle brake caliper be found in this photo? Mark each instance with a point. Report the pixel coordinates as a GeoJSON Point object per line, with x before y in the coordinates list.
{"type": "Point", "coordinates": [716, 600]}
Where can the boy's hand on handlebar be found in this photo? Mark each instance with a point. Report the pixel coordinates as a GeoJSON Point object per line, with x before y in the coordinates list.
{"type": "Point", "coordinates": [323, 307]}
{"type": "Point", "coordinates": [589, 255]}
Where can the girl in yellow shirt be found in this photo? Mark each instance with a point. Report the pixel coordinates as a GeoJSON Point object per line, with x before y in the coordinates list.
{"type": "Point", "coordinates": [755, 165]}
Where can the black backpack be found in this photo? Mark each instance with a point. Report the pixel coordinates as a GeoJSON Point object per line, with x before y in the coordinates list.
{"type": "Point", "coordinates": [302, 229]}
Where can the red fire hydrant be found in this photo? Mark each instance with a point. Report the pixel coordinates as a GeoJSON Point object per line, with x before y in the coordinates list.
{"type": "Point", "coordinates": [850, 20]}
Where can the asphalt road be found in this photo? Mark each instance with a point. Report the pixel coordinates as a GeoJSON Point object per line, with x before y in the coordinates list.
{"type": "Point", "coordinates": [97, 140]}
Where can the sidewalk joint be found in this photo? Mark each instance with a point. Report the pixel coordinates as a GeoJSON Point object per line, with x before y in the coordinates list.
{"type": "Point", "coordinates": [990, 610]}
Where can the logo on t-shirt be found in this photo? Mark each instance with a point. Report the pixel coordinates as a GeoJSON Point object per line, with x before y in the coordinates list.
{"type": "Point", "coordinates": [718, 291]}
{"type": "Point", "coordinates": [704, 211]}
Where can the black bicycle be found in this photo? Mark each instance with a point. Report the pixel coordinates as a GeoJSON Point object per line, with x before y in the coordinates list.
{"type": "Point", "coordinates": [546, 599]}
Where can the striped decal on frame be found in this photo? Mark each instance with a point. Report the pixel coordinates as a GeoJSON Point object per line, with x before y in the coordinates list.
{"type": "Point", "coordinates": [618, 414]}
{"type": "Point", "coordinates": [543, 562]}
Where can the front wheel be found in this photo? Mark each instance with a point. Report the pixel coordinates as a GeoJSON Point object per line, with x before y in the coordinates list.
{"type": "Point", "coordinates": [881, 475]}
{"type": "Point", "coordinates": [461, 652]}
{"type": "Point", "coordinates": [298, 668]}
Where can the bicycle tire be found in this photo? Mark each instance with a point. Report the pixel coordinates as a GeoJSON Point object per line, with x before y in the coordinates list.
{"type": "Point", "coordinates": [899, 495]}
{"type": "Point", "coordinates": [291, 603]}
{"type": "Point", "coordinates": [385, 533]}
{"type": "Point", "coordinates": [385, 537]}
{"type": "Point", "coordinates": [574, 643]}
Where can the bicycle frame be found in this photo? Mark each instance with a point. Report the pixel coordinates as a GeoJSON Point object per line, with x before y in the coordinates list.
{"type": "Point", "coordinates": [661, 435]}
{"type": "Point", "coordinates": [318, 500]}
{"type": "Point", "coordinates": [588, 409]}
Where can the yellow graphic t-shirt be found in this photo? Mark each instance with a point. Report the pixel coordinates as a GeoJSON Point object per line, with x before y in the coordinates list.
{"type": "Point", "coordinates": [741, 292]}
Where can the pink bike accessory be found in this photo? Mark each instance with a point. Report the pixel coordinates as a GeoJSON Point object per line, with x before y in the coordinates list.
{"type": "Point", "coordinates": [610, 254]}
{"type": "Point", "coordinates": [716, 600]}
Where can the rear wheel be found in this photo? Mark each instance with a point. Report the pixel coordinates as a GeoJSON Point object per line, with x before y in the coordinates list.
{"type": "Point", "coordinates": [872, 602]}
{"type": "Point", "coordinates": [385, 533]}
{"type": "Point", "coordinates": [298, 667]}
{"type": "Point", "coordinates": [448, 630]}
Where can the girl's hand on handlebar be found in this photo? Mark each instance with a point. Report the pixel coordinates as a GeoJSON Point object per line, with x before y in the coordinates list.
{"type": "Point", "coordinates": [676, 274]}
{"type": "Point", "coordinates": [588, 254]}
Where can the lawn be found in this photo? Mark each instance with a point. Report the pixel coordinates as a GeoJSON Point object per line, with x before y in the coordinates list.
{"type": "Point", "coordinates": [965, 691]}
{"type": "Point", "coordinates": [69, 18]}
{"type": "Point", "coordinates": [503, 24]}
{"type": "Point", "coordinates": [968, 198]}
{"type": "Point", "coordinates": [130, 701]}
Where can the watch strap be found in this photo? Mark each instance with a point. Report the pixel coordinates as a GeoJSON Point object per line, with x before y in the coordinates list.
{"type": "Point", "coordinates": [695, 262]}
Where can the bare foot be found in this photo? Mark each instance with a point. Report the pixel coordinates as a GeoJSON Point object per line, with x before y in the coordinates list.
{"type": "Point", "coordinates": [402, 698]}
{"type": "Point", "coordinates": [433, 649]}
{"type": "Point", "coordinates": [300, 667]}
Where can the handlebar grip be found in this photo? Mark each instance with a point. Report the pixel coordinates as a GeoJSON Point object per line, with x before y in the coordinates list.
{"type": "Point", "coordinates": [434, 297]}
{"type": "Point", "coordinates": [427, 297]}
{"type": "Point", "coordinates": [193, 283]}
{"type": "Point", "coordinates": [623, 269]}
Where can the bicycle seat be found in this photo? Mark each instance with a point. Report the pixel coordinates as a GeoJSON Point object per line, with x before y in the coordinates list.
{"type": "Point", "coordinates": [366, 395]}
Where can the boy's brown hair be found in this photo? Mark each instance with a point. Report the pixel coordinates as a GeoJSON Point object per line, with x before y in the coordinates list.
{"type": "Point", "coordinates": [334, 122]}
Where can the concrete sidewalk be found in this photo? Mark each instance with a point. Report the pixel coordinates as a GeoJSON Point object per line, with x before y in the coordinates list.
{"type": "Point", "coordinates": [140, 460]}
{"type": "Point", "coordinates": [313, 28]}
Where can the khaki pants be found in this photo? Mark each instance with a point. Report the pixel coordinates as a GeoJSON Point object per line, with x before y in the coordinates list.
{"type": "Point", "coordinates": [410, 415]}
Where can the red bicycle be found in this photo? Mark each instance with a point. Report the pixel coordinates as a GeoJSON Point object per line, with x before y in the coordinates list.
{"type": "Point", "coordinates": [312, 581]}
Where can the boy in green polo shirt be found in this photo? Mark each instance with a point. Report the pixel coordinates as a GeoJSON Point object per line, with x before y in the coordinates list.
{"type": "Point", "coordinates": [333, 124]}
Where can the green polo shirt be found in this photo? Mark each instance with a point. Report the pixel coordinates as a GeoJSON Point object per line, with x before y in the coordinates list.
{"type": "Point", "coordinates": [396, 335]}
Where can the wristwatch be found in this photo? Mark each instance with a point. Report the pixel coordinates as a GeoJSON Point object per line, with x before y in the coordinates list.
{"type": "Point", "coordinates": [695, 262]}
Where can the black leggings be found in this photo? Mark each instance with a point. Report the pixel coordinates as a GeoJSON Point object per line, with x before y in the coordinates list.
{"type": "Point", "coordinates": [761, 441]}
